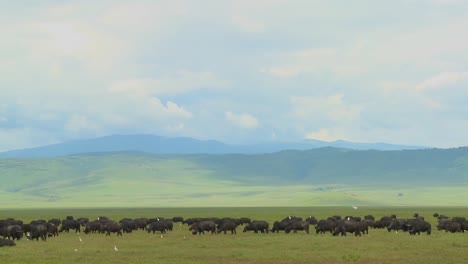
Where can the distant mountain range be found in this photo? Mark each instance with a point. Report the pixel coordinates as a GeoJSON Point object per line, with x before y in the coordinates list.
{"type": "Point", "coordinates": [182, 145]}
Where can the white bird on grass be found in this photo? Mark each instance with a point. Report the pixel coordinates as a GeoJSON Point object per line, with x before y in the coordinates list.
{"type": "Point", "coordinates": [115, 248]}
{"type": "Point", "coordinates": [81, 240]}
{"type": "Point", "coordinates": [355, 207]}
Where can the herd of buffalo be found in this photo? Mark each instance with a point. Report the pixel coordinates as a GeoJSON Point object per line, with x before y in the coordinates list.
{"type": "Point", "coordinates": [13, 229]}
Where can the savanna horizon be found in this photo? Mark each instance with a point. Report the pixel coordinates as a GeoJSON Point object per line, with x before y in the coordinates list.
{"type": "Point", "coordinates": [324, 176]}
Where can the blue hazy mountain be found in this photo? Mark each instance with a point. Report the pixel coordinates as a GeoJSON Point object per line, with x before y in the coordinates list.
{"type": "Point", "coordinates": [183, 145]}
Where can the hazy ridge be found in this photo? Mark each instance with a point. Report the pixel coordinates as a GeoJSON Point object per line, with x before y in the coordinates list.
{"type": "Point", "coordinates": [324, 176]}
{"type": "Point", "coordinates": [182, 145]}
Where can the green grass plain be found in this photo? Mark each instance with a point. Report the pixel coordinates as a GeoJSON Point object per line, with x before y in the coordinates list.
{"type": "Point", "coordinates": [380, 246]}
{"type": "Point", "coordinates": [326, 177]}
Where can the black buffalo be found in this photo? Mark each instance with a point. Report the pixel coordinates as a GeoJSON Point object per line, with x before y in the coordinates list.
{"type": "Point", "coordinates": [156, 226]}
{"type": "Point", "coordinates": [112, 227]}
{"type": "Point", "coordinates": [227, 225]}
{"type": "Point", "coordinates": [55, 221]}
{"type": "Point", "coordinates": [344, 227]}
{"type": "Point", "coordinates": [68, 224]}
{"type": "Point", "coordinates": [128, 225]}
{"type": "Point", "coordinates": [83, 221]}
{"type": "Point", "coordinates": [312, 220]}
{"type": "Point", "coordinates": [297, 225]}
{"type": "Point", "coordinates": [39, 231]}
{"type": "Point", "coordinates": [201, 227]}
{"type": "Point", "coordinates": [417, 226]}
{"type": "Point", "coordinates": [257, 226]}
{"type": "Point", "coordinates": [11, 232]}
{"type": "Point", "coordinates": [92, 227]}
{"type": "Point", "coordinates": [177, 219]}
{"type": "Point", "coordinates": [52, 230]}
{"type": "Point", "coordinates": [141, 223]}
{"type": "Point", "coordinates": [7, 243]}
{"type": "Point", "coordinates": [324, 226]}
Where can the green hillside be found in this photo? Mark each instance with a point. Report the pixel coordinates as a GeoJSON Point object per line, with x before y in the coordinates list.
{"type": "Point", "coordinates": [326, 176]}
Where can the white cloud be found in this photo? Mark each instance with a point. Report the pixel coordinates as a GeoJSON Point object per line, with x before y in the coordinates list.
{"type": "Point", "coordinates": [18, 138]}
{"type": "Point", "coordinates": [178, 83]}
{"type": "Point", "coordinates": [79, 123]}
{"type": "Point", "coordinates": [332, 108]}
{"type": "Point", "coordinates": [325, 135]}
{"type": "Point", "coordinates": [175, 110]}
{"type": "Point", "coordinates": [247, 24]}
{"type": "Point", "coordinates": [299, 62]}
{"type": "Point", "coordinates": [162, 66]}
{"type": "Point", "coordinates": [443, 79]}
{"type": "Point", "coordinates": [241, 120]}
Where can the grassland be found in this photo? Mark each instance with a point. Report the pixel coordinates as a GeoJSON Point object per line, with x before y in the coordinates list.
{"type": "Point", "coordinates": [180, 246]}
{"type": "Point", "coordinates": [322, 177]}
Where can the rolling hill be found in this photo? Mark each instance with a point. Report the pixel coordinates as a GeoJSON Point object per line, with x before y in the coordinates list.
{"type": "Point", "coordinates": [324, 176]}
{"type": "Point", "coordinates": [181, 145]}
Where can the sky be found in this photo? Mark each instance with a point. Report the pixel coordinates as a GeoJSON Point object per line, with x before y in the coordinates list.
{"type": "Point", "coordinates": [238, 71]}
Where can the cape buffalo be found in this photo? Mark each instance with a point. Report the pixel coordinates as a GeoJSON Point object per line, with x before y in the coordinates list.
{"type": "Point", "coordinates": [112, 227]}
{"type": "Point", "coordinates": [344, 227]}
{"type": "Point", "coordinates": [92, 227]}
{"type": "Point", "coordinates": [11, 232]}
{"type": "Point", "coordinates": [7, 243]}
{"type": "Point", "coordinates": [256, 226]}
{"type": "Point", "coordinates": [39, 231]}
{"type": "Point", "coordinates": [227, 225]}
{"type": "Point", "coordinates": [201, 227]}
{"type": "Point", "coordinates": [297, 225]}
{"type": "Point", "coordinates": [418, 226]}
{"type": "Point", "coordinates": [325, 226]}
{"type": "Point", "coordinates": [156, 226]}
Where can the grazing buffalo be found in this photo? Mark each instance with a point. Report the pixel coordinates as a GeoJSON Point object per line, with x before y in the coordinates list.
{"type": "Point", "coordinates": [128, 225]}
{"type": "Point", "coordinates": [453, 227]}
{"type": "Point", "coordinates": [103, 219]}
{"type": "Point", "coordinates": [52, 230]}
{"type": "Point", "coordinates": [11, 232]}
{"type": "Point", "coordinates": [245, 220]}
{"type": "Point", "coordinates": [190, 221]}
{"type": "Point", "coordinates": [55, 221]}
{"type": "Point", "coordinates": [311, 220]}
{"type": "Point", "coordinates": [227, 225]}
{"type": "Point", "coordinates": [39, 231]}
{"type": "Point", "coordinates": [7, 243]}
{"type": "Point", "coordinates": [449, 225]}
{"type": "Point", "coordinates": [297, 225]}
{"type": "Point", "coordinates": [168, 224]}
{"type": "Point", "coordinates": [417, 226]}
{"type": "Point", "coordinates": [325, 226]}
{"type": "Point", "coordinates": [256, 226]}
{"type": "Point", "coordinates": [440, 216]}
{"type": "Point", "coordinates": [201, 227]}
{"type": "Point", "coordinates": [344, 227]}
{"type": "Point", "coordinates": [398, 224]}
{"type": "Point", "coordinates": [384, 222]}
{"type": "Point", "coordinates": [83, 221]}
{"type": "Point", "coordinates": [141, 223]}
{"type": "Point", "coordinates": [156, 226]}
{"type": "Point", "coordinates": [112, 227]}
{"type": "Point", "coordinates": [92, 227]}
{"type": "Point", "coordinates": [177, 219]}
{"type": "Point", "coordinates": [68, 224]}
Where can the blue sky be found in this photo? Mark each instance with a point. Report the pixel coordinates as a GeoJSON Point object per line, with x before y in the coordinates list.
{"type": "Point", "coordinates": [236, 71]}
